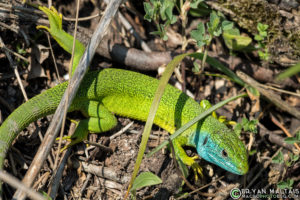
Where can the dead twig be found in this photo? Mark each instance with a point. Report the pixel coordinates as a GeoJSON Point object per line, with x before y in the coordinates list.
{"type": "Point", "coordinates": [20, 186]}
{"type": "Point", "coordinates": [270, 95]}
{"type": "Point", "coordinates": [277, 123]}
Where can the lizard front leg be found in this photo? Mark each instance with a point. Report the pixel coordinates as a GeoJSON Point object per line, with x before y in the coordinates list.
{"type": "Point", "coordinates": [190, 161]}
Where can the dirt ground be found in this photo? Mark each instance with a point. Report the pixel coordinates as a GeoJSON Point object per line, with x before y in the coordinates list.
{"type": "Point", "coordinates": [97, 172]}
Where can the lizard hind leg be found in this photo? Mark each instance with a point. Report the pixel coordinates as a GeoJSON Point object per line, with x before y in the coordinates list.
{"type": "Point", "coordinates": [99, 120]}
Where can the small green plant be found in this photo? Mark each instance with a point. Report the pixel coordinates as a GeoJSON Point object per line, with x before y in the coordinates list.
{"type": "Point", "coordinates": [235, 41]}
{"type": "Point", "coordinates": [288, 184]}
{"type": "Point", "coordinates": [292, 140]}
{"type": "Point", "coordinates": [278, 158]}
{"type": "Point", "coordinates": [206, 32]}
{"type": "Point", "coordinates": [160, 9]}
{"type": "Point", "coordinates": [261, 37]}
{"type": "Point", "coordinates": [246, 125]}
{"type": "Point", "coordinates": [143, 180]}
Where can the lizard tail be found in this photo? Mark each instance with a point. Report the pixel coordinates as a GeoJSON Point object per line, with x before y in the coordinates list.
{"type": "Point", "coordinates": [37, 107]}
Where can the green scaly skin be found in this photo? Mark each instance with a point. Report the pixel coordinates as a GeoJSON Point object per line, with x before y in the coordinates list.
{"type": "Point", "coordinates": [128, 94]}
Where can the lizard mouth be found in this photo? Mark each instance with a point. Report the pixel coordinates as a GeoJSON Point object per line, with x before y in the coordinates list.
{"type": "Point", "coordinates": [229, 166]}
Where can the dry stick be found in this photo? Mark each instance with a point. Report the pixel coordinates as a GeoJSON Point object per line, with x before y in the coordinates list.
{"type": "Point", "coordinates": [76, 79]}
{"type": "Point", "coordinates": [14, 53]}
{"type": "Point", "coordinates": [5, 177]}
{"type": "Point", "coordinates": [13, 65]}
{"type": "Point", "coordinates": [273, 138]}
{"type": "Point", "coordinates": [131, 30]}
{"type": "Point", "coordinates": [270, 95]}
{"type": "Point", "coordinates": [280, 90]}
{"type": "Point", "coordinates": [81, 18]}
{"type": "Point", "coordinates": [53, 57]}
{"type": "Point", "coordinates": [58, 174]}
{"type": "Point", "coordinates": [277, 123]}
{"type": "Point", "coordinates": [68, 88]}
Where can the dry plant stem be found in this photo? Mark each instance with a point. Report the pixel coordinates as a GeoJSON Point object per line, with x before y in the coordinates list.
{"type": "Point", "coordinates": [273, 138]}
{"type": "Point", "coordinates": [5, 177]}
{"type": "Point", "coordinates": [81, 18]}
{"type": "Point", "coordinates": [85, 184]}
{"type": "Point", "coordinates": [14, 53]}
{"type": "Point", "coordinates": [74, 83]}
{"type": "Point", "coordinates": [55, 183]}
{"type": "Point", "coordinates": [10, 75]}
{"type": "Point", "coordinates": [102, 147]}
{"type": "Point", "coordinates": [53, 57]}
{"type": "Point", "coordinates": [270, 95]}
{"type": "Point", "coordinates": [14, 67]}
{"type": "Point", "coordinates": [123, 130]}
{"type": "Point", "coordinates": [104, 172]}
{"type": "Point", "coordinates": [68, 88]}
{"type": "Point", "coordinates": [131, 30]}
{"type": "Point", "coordinates": [277, 123]}
{"type": "Point", "coordinates": [280, 90]}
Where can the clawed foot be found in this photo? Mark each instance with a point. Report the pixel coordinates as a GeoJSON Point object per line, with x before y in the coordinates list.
{"type": "Point", "coordinates": [79, 135]}
{"type": "Point", "coordinates": [55, 20]}
{"type": "Point", "coordinates": [190, 161]}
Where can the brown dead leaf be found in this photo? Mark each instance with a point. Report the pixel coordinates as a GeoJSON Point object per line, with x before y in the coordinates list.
{"type": "Point", "coordinates": [39, 54]}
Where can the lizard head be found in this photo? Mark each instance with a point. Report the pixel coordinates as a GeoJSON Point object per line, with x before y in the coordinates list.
{"type": "Point", "coordinates": [221, 146]}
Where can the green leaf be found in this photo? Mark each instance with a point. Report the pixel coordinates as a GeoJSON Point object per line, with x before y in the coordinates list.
{"type": "Point", "coordinates": [258, 38]}
{"type": "Point", "coordinates": [234, 41]}
{"type": "Point", "coordinates": [166, 9]}
{"type": "Point", "coordinates": [291, 140]}
{"type": "Point", "coordinates": [145, 179]}
{"type": "Point", "coordinates": [201, 10]}
{"type": "Point", "coordinates": [227, 25]}
{"type": "Point", "coordinates": [149, 11]}
{"type": "Point", "coordinates": [285, 184]}
{"type": "Point", "coordinates": [264, 34]}
{"type": "Point", "coordinates": [294, 157]}
{"type": "Point", "coordinates": [196, 67]}
{"type": "Point", "coordinates": [289, 72]}
{"type": "Point", "coordinates": [217, 32]}
{"type": "Point", "coordinates": [262, 27]}
{"type": "Point", "coordinates": [298, 135]}
{"type": "Point", "coordinates": [238, 128]}
{"type": "Point", "coordinates": [214, 21]}
{"type": "Point", "coordinates": [199, 32]}
{"type": "Point", "coordinates": [252, 152]}
{"type": "Point", "coordinates": [165, 37]}
{"type": "Point", "coordinates": [278, 158]}
{"type": "Point", "coordinates": [195, 3]}
{"type": "Point", "coordinates": [199, 35]}
{"type": "Point", "coordinates": [250, 126]}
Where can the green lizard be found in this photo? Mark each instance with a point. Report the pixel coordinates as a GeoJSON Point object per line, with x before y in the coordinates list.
{"type": "Point", "coordinates": [114, 91]}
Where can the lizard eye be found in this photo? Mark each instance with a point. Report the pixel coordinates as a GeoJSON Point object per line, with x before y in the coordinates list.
{"type": "Point", "coordinates": [224, 153]}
